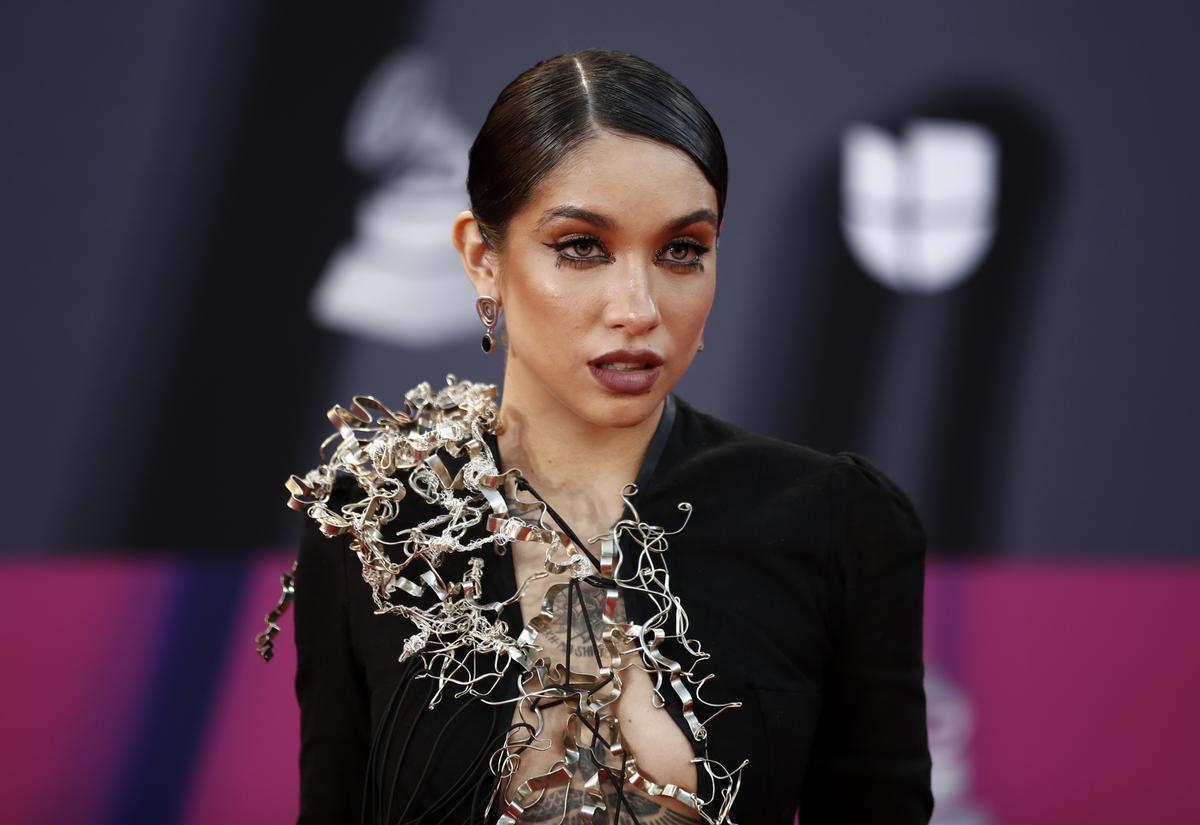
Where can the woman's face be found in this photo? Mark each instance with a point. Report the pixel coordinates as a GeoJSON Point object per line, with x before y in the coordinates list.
{"type": "Point", "coordinates": [606, 278]}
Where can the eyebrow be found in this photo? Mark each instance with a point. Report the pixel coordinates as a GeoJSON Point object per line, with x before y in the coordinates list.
{"type": "Point", "coordinates": [596, 219]}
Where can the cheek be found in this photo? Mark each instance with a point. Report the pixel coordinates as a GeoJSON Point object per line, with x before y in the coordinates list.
{"type": "Point", "coordinates": [551, 310]}
{"type": "Point", "coordinates": [687, 309]}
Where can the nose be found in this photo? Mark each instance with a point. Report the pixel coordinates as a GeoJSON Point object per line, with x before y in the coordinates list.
{"type": "Point", "coordinates": [631, 306]}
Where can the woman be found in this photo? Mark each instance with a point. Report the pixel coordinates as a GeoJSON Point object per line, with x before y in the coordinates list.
{"type": "Point", "coordinates": [598, 603]}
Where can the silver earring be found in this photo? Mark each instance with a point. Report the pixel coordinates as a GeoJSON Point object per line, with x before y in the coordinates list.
{"type": "Point", "coordinates": [488, 310]}
{"type": "Point", "coordinates": [701, 347]}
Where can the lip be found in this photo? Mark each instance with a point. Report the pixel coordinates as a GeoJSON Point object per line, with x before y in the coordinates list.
{"type": "Point", "coordinates": [629, 356]}
{"type": "Point", "coordinates": [627, 381]}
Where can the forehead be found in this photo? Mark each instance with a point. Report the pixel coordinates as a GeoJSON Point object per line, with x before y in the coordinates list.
{"type": "Point", "coordinates": [629, 179]}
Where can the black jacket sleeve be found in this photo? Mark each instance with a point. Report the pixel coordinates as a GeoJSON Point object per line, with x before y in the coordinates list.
{"type": "Point", "coordinates": [870, 760]}
{"type": "Point", "coordinates": [330, 684]}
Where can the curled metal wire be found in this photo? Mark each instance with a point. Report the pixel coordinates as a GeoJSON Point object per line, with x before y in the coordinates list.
{"type": "Point", "coordinates": [264, 642]}
{"type": "Point", "coordinates": [464, 644]}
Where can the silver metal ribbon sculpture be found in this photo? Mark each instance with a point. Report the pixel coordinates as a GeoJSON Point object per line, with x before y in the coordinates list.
{"type": "Point", "coordinates": [464, 642]}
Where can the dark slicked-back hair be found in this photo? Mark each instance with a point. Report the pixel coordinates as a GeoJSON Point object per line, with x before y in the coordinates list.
{"type": "Point", "coordinates": [550, 109]}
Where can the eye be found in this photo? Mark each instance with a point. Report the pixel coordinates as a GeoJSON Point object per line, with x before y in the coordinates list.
{"type": "Point", "coordinates": [586, 251]}
{"type": "Point", "coordinates": [683, 253]}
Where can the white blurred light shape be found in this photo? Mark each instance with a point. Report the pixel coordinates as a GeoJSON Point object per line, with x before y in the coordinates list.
{"type": "Point", "coordinates": [918, 212]}
{"type": "Point", "coordinates": [950, 716]}
{"type": "Point", "coordinates": [399, 279]}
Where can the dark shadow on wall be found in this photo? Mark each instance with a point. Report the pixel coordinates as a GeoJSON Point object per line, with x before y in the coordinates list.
{"type": "Point", "coordinates": [836, 330]}
{"type": "Point", "coordinates": [213, 382]}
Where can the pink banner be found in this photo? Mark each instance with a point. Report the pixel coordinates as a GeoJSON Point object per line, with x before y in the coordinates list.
{"type": "Point", "coordinates": [1058, 693]}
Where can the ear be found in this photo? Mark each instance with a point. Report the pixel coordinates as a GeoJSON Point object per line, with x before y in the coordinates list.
{"type": "Point", "coordinates": [479, 261]}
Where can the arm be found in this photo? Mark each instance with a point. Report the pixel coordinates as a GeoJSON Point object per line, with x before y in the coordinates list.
{"type": "Point", "coordinates": [330, 686]}
{"type": "Point", "coordinates": [870, 759]}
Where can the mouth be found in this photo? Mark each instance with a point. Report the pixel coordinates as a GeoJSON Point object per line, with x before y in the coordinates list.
{"type": "Point", "coordinates": [625, 360]}
{"type": "Point", "coordinates": [621, 366]}
{"type": "Point", "coordinates": [626, 371]}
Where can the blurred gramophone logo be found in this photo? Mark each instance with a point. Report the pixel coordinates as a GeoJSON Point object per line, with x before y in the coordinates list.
{"type": "Point", "coordinates": [399, 278]}
{"type": "Point", "coordinates": [918, 211]}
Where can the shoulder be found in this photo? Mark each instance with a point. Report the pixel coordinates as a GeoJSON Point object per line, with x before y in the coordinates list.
{"type": "Point", "coordinates": [374, 445]}
{"type": "Point", "coordinates": [742, 484]}
{"type": "Point", "coordinates": [704, 442]}
{"type": "Point", "coordinates": [859, 503]}
{"type": "Point", "coordinates": [869, 505]}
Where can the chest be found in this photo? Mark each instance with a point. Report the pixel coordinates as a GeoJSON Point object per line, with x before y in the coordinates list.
{"type": "Point", "coordinates": [589, 708]}
{"type": "Point", "coordinates": [762, 643]}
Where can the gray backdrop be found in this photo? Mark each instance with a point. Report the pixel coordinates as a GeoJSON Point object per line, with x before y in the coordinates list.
{"type": "Point", "coordinates": [199, 195]}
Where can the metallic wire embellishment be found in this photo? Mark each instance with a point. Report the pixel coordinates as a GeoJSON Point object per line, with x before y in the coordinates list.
{"type": "Point", "coordinates": [264, 642]}
{"type": "Point", "coordinates": [463, 642]}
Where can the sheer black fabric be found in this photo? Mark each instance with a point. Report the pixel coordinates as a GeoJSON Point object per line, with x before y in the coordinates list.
{"type": "Point", "coordinates": [802, 576]}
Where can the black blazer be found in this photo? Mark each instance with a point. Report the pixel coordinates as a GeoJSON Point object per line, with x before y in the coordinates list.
{"type": "Point", "coordinates": [802, 575]}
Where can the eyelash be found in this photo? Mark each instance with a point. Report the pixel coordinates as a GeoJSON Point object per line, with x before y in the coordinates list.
{"type": "Point", "coordinates": [698, 250]}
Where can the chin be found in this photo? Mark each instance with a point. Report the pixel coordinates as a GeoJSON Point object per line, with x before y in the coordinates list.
{"type": "Point", "coordinates": [623, 410]}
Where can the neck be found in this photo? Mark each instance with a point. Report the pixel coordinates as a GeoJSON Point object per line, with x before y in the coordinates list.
{"type": "Point", "coordinates": [581, 464]}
